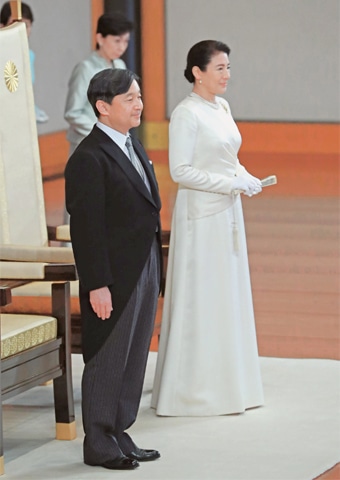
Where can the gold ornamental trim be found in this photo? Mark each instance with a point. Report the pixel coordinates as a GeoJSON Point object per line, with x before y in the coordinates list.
{"type": "Point", "coordinates": [28, 337]}
{"type": "Point", "coordinates": [11, 76]}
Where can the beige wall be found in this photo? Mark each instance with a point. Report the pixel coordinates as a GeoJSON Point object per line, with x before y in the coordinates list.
{"type": "Point", "coordinates": [285, 55]}
{"type": "Point", "coordinates": [61, 37]}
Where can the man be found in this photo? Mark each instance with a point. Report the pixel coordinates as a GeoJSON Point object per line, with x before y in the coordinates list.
{"type": "Point", "coordinates": [112, 40]}
{"type": "Point", "coordinates": [115, 232]}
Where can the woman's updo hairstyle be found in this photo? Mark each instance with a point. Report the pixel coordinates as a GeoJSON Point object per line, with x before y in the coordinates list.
{"type": "Point", "coordinates": [200, 55]}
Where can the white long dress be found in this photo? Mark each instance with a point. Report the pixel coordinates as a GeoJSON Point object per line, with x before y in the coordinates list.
{"type": "Point", "coordinates": [208, 360]}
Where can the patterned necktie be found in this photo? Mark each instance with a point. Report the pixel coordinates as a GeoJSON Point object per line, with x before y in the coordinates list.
{"type": "Point", "coordinates": [135, 160]}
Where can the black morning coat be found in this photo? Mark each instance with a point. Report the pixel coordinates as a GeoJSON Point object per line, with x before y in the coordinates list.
{"type": "Point", "coordinates": [113, 220]}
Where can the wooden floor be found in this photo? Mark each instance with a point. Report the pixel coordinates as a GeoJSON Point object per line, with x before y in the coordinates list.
{"type": "Point", "coordinates": [294, 256]}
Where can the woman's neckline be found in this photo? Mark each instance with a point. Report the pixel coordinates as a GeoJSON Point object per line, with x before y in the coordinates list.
{"type": "Point", "coordinates": [109, 62]}
{"type": "Point", "coordinates": [215, 104]}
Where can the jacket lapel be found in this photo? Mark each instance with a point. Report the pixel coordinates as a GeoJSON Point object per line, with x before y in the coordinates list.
{"type": "Point", "coordinates": [148, 170]}
{"type": "Point", "coordinates": [115, 152]}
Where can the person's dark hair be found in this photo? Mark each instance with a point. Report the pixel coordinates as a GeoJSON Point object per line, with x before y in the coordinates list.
{"type": "Point", "coordinates": [113, 24]}
{"type": "Point", "coordinates": [200, 55]}
{"type": "Point", "coordinates": [5, 13]}
{"type": "Point", "coordinates": [108, 83]}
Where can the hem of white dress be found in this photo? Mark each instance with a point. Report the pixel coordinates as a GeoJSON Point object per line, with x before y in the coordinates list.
{"type": "Point", "coordinates": [206, 414]}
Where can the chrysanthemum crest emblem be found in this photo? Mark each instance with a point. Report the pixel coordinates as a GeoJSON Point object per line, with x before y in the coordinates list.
{"type": "Point", "coordinates": [11, 76]}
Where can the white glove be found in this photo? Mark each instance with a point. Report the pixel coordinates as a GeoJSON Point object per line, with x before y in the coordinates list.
{"type": "Point", "coordinates": [257, 180]}
{"type": "Point", "coordinates": [248, 185]}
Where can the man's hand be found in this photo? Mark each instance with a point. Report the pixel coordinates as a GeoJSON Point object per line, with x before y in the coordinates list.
{"type": "Point", "coordinates": [101, 302]}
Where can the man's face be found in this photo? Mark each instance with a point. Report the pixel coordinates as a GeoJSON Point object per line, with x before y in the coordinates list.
{"type": "Point", "coordinates": [125, 110]}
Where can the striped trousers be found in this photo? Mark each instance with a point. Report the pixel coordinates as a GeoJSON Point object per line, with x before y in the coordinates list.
{"type": "Point", "coordinates": [112, 380]}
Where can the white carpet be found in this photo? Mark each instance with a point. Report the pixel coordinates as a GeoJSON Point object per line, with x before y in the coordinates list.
{"type": "Point", "coordinates": [295, 436]}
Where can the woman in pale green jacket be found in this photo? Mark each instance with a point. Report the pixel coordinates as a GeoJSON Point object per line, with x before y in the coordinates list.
{"type": "Point", "coordinates": [113, 35]}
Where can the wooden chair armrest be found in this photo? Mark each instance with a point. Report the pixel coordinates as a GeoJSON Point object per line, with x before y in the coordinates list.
{"type": "Point", "coordinates": [6, 290]}
{"type": "Point", "coordinates": [59, 233]}
{"type": "Point", "coordinates": [29, 253]}
{"type": "Point", "coordinates": [37, 271]}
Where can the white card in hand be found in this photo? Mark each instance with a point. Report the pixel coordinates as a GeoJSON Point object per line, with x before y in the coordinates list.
{"type": "Point", "coordinates": [271, 180]}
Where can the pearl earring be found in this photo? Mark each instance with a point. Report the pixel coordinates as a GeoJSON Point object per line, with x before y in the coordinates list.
{"type": "Point", "coordinates": [200, 82]}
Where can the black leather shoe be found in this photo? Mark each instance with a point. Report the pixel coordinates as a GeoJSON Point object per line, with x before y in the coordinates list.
{"type": "Point", "coordinates": [142, 455]}
{"type": "Point", "coordinates": [122, 463]}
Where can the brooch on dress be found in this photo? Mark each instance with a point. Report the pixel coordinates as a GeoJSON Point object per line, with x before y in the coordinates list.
{"type": "Point", "coordinates": [225, 107]}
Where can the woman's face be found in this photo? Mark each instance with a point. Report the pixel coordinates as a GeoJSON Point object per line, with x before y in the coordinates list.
{"type": "Point", "coordinates": [112, 47]}
{"type": "Point", "coordinates": [215, 78]}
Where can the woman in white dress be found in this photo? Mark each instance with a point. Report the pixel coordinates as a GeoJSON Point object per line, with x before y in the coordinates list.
{"type": "Point", "coordinates": [208, 360]}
